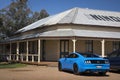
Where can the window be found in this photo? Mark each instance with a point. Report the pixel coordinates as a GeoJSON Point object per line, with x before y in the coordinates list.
{"type": "Point", "coordinates": [89, 46]}
{"type": "Point", "coordinates": [33, 46]}
{"type": "Point", "coordinates": [89, 55]}
{"type": "Point", "coordinates": [113, 55]}
{"type": "Point", "coordinates": [64, 48]}
{"type": "Point", "coordinates": [118, 55]}
{"type": "Point", "coordinates": [116, 45]}
{"type": "Point", "coordinates": [22, 47]}
{"type": "Point", "coordinates": [73, 56]}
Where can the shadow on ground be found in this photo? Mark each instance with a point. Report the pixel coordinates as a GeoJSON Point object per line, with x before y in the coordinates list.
{"type": "Point", "coordinates": [87, 74]}
{"type": "Point", "coordinates": [20, 70]}
{"type": "Point", "coordinates": [115, 71]}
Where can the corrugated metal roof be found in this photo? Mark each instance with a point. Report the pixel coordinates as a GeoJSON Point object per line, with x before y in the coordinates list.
{"type": "Point", "coordinates": [80, 33]}
{"type": "Point", "coordinates": [97, 34]}
{"type": "Point", "coordinates": [70, 33]}
{"type": "Point", "coordinates": [78, 16]}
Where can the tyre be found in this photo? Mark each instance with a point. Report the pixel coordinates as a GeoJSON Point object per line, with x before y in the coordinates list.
{"type": "Point", "coordinates": [75, 69]}
{"type": "Point", "coordinates": [59, 66]}
{"type": "Point", "coordinates": [102, 73]}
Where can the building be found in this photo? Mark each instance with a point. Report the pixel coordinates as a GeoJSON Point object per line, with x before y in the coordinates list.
{"type": "Point", "coordinates": [77, 29]}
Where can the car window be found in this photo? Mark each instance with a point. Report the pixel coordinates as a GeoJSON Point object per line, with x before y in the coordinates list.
{"type": "Point", "coordinates": [70, 56]}
{"type": "Point", "coordinates": [118, 55]}
{"type": "Point", "coordinates": [88, 55]}
{"type": "Point", "coordinates": [73, 56]}
{"type": "Point", "coordinates": [113, 55]}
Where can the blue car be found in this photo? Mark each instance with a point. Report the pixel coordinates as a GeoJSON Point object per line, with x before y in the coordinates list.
{"type": "Point", "coordinates": [84, 62]}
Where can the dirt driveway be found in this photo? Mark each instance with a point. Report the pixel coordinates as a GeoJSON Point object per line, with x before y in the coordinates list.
{"type": "Point", "coordinates": [49, 73]}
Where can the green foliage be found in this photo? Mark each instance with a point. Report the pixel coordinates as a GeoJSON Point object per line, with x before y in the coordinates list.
{"type": "Point", "coordinates": [39, 15]}
{"type": "Point", "coordinates": [18, 15]}
{"type": "Point", "coordinates": [1, 22]}
{"type": "Point", "coordinates": [14, 16]}
{"type": "Point", "coordinates": [12, 65]}
{"type": "Point", "coordinates": [1, 26]}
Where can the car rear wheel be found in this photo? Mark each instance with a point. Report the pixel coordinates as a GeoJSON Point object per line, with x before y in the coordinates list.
{"type": "Point", "coordinates": [75, 69]}
{"type": "Point", "coordinates": [59, 66]}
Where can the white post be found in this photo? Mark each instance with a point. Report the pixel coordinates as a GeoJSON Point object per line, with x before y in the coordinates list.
{"type": "Point", "coordinates": [27, 51]}
{"type": "Point", "coordinates": [38, 50]}
{"type": "Point", "coordinates": [10, 52]}
{"type": "Point", "coordinates": [74, 44]}
{"type": "Point", "coordinates": [32, 58]}
{"type": "Point", "coordinates": [103, 47]}
{"type": "Point", "coordinates": [17, 51]}
{"type": "Point", "coordinates": [21, 55]}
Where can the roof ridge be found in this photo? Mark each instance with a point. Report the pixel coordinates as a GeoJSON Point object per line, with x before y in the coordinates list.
{"type": "Point", "coordinates": [65, 15]}
{"type": "Point", "coordinates": [73, 14]}
{"type": "Point", "coordinates": [101, 10]}
{"type": "Point", "coordinates": [76, 12]}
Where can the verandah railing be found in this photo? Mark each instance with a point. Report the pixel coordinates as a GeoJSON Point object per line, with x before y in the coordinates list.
{"type": "Point", "coordinates": [19, 57]}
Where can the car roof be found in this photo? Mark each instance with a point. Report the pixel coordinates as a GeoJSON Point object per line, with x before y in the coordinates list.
{"type": "Point", "coordinates": [115, 52]}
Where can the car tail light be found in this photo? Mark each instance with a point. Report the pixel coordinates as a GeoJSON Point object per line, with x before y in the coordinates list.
{"type": "Point", "coordinates": [88, 62]}
{"type": "Point", "coordinates": [106, 62]}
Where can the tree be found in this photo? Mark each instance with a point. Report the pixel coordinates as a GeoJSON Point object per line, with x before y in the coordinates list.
{"type": "Point", "coordinates": [39, 15]}
{"type": "Point", "coordinates": [43, 14]}
{"type": "Point", "coordinates": [15, 16]}
{"type": "Point", "coordinates": [2, 36]}
{"type": "Point", "coordinates": [1, 22]}
{"type": "Point", "coordinates": [18, 15]}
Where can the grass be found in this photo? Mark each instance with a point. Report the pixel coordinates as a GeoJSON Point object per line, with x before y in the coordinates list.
{"type": "Point", "coordinates": [11, 65]}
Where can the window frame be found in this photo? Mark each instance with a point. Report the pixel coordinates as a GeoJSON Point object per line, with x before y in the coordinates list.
{"type": "Point", "coordinates": [89, 46]}
{"type": "Point", "coordinates": [116, 45]}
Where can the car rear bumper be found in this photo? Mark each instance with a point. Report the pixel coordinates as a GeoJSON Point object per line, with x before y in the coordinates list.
{"type": "Point", "coordinates": [95, 68]}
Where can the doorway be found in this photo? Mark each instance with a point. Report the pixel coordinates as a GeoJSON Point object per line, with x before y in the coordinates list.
{"type": "Point", "coordinates": [43, 50]}
{"type": "Point", "coordinates": [64, 48]}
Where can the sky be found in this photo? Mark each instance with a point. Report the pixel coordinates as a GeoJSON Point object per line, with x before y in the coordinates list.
{"type": "Point", "coordinates": [57, 6]}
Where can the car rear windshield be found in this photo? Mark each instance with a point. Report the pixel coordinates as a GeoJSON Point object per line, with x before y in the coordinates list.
{"type": "Point", "coordinates": [89, 55]}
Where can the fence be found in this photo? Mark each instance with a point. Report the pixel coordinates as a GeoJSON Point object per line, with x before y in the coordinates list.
{"type": "Point", "coordinates": [19, 57]}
